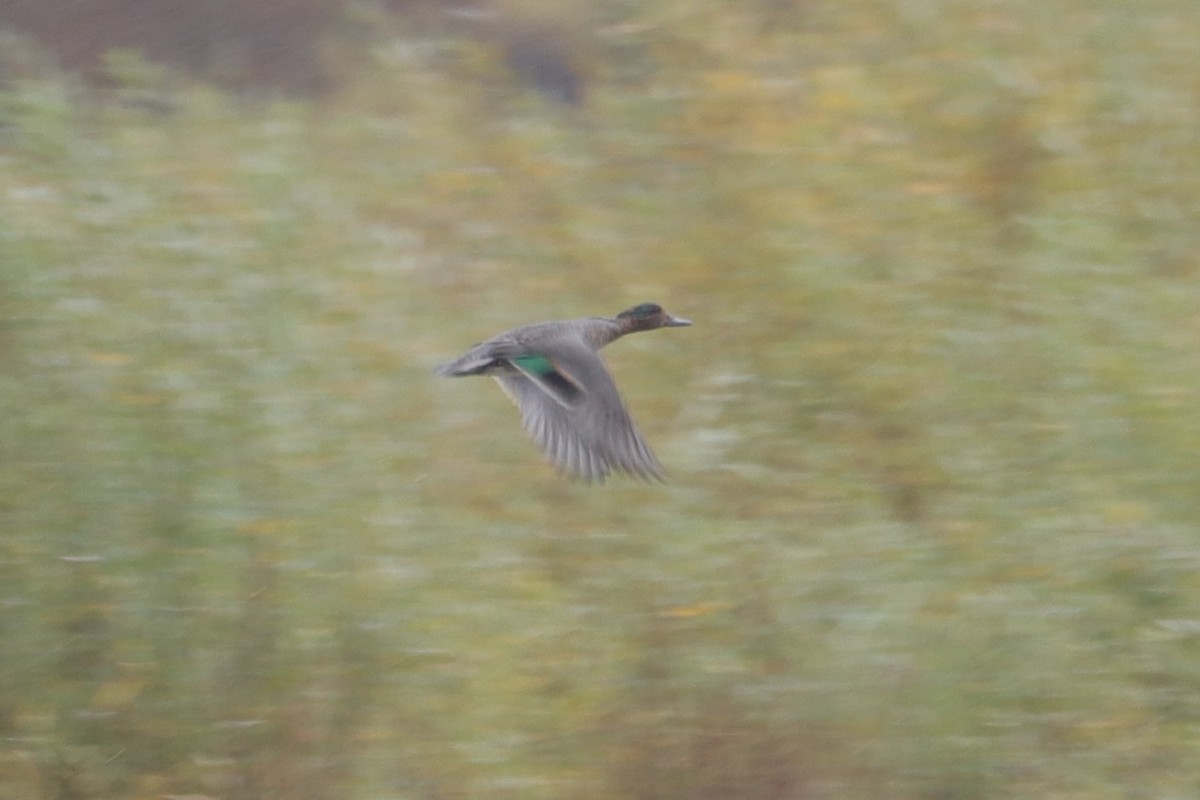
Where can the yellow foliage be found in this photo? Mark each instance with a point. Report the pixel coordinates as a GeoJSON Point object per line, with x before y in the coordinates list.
{"type": "Point", "coordinates": [1125, 513]}
{"type": "Point", "coordinates": [261, 527]}
{"type": "Point", "coordinates": [109, 359]}
{"type": "Point", "coordinates": [701, 609]}
{"type": "Point", "coordinates": [119, 693]}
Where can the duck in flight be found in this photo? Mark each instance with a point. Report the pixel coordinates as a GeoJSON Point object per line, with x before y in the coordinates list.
{"type": "Point", "coordinates": [568, 400]}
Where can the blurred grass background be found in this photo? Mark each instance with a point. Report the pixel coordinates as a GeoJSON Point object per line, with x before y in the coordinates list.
{"type": "Point", "coordinates": [932, 527]}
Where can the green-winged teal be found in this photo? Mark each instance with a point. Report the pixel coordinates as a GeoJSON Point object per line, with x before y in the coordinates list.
{"type": "Point", "coordinates": [568, 400]}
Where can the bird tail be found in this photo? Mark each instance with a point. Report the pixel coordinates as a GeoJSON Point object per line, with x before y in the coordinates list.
{"type": "Point", "coordinates": [463, 367]}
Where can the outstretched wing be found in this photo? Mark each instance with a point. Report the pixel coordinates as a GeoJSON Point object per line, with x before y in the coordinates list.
{"type": "Point", "coordinates": [571, 408]}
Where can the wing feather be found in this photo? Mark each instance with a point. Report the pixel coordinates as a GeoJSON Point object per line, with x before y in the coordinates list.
{"type": "Point", "coordinates": [593, 434]}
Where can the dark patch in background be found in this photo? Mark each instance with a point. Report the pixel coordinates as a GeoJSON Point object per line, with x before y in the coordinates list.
{"type": "Point", "coordinates": [278, 47]}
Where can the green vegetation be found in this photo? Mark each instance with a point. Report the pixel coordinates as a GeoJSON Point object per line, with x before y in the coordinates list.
{"type": "Point", "coordinates": [933, 527]}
